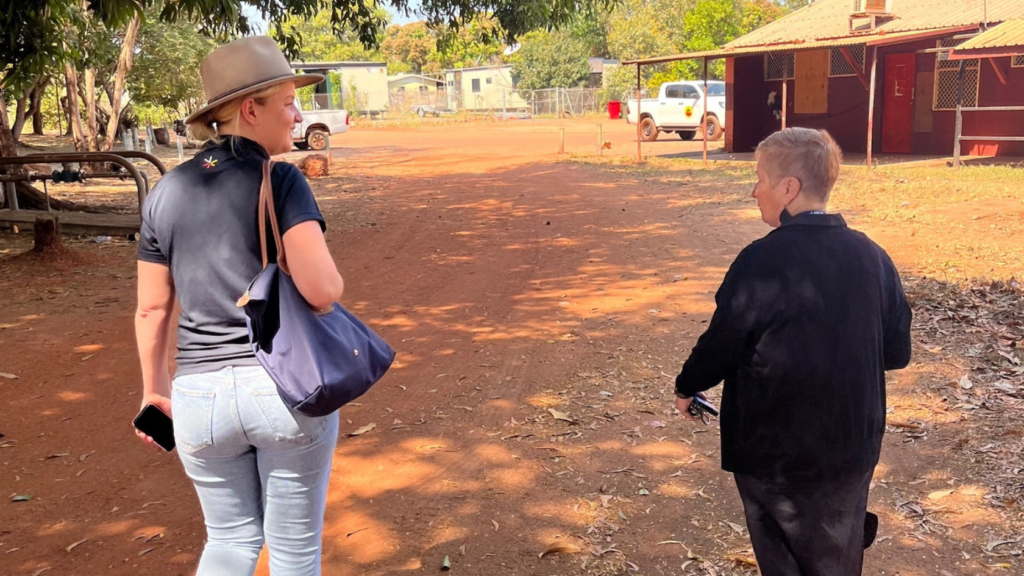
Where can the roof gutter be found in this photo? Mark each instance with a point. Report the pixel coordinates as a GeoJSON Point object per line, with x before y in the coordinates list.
{"type": "Point", "coordinates": [880, 39]}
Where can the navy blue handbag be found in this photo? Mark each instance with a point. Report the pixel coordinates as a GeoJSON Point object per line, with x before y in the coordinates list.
{"type": "Point", "coordinates": [319, 359]}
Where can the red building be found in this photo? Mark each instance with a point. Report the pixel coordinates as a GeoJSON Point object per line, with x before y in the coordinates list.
{"type": "Point", "coordinates": [889, 73]}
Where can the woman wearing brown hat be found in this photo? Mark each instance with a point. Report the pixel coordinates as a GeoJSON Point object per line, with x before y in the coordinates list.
{"type": "Point", "coordinates": [260, 469]}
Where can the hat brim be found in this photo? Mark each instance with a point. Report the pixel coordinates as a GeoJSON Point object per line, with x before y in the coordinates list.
{"type": "Point", "coordinates": [300, 81]}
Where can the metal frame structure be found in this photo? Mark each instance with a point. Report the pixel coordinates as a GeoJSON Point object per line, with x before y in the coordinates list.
{"type": "Point", "coordinates": [14, 216]}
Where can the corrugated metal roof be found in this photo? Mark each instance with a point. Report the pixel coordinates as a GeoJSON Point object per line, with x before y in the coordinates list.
{"type": "Point", "coordinates": [879, 39]}
{"type": "Point", "coordinates": [830, 19]}
{"type": "Point", "coordinates": [1008, 35]}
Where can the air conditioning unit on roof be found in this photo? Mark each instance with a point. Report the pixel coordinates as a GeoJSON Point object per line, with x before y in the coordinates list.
{"type": "Point", "coordinates": [872, 6]}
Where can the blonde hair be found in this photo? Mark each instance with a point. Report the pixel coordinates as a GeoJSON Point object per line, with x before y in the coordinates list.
{"type": "Point", "coordinates": [810, 156]}
{"type": "Point", "coordinates": [206, 127]}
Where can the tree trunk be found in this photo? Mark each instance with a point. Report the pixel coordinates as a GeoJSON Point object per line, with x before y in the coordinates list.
{"type": "Point", "coordinates": [8, 147]}
{"type": "Point", "coordinates": [74, 114]}
{"type": "Point", "coordinates": [47, 236]}
{"type": "Point", "coordinates": [38, 127]}
{"type": "Point", "coordinates": [66, 115]}
{"type": "Point", "coordinates": [92, 132]}
{"type": "Point", "coordinates": [124, 64]}
{"type": "Point", "coordinates": [20, 116]}
{"type": "Point", "coordinates": [31, 198]}
{"type": "Point", "coordinates": [36, 107]}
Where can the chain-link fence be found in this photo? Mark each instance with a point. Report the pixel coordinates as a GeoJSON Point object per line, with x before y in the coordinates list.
{"type": "Point", "coordinates": [564, 102]}
{"type": "Point", "coordinates": [414, 101]}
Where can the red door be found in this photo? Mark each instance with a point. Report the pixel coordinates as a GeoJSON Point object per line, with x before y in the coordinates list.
{"type": "Point", "coordinates": [898, 103]}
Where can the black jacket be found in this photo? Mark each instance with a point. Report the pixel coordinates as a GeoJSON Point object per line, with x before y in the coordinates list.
{"type": "Point", "coordinates": [808, 320]}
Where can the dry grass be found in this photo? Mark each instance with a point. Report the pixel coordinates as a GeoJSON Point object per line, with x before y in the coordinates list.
{"type": "Point", "coordinates": [957, 225]}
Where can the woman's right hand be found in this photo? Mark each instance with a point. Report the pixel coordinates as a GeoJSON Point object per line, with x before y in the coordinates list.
{"type": "Point", "coordinates": [161, 402]}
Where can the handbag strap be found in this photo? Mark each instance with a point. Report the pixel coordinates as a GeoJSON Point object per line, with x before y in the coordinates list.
{"type": "Point", "coordinates": [266, 208]}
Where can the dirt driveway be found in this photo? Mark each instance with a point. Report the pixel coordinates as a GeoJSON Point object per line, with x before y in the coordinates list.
{"type": "Point", "coordinates": [540, 310]}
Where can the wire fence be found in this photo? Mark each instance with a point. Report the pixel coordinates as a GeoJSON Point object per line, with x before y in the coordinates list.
{"type": "Point", "coordinates": [564, 102]}
{"type": "Point", "coordinates": [417, 101]}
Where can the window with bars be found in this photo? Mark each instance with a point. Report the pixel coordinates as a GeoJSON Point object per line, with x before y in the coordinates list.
{"type": "Point", "coordinates": [1017, 61]}
{"type": "Point", "coordinates": [779, 66]}
{"type": "Point", "coordinates": [838, 65]}
{"type": "Point", "coordinates": [947, 73]}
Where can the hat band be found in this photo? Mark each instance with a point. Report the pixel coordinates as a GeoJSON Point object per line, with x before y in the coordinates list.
{"type": "Point", "coordinates": [245, 87]}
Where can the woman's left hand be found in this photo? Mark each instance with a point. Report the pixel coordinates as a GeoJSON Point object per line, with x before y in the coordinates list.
{"type": "Point", "coordinates": [161, 402]}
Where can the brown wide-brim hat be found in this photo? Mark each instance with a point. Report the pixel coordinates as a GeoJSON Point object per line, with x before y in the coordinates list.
{"type": "Point", "coordinates": [245, 66]}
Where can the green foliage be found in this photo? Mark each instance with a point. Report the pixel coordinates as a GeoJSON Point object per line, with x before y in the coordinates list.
{"type": "Point", "coordinates": [647, 28]}
{"type": "Point", "coordinates": [414, 46]}
{"type": "Point", "coordinates": [792, 5]}
{"type": "Point", "coordinates": [620, 83]}
{"type": "Point", "coordinates": [161, 48]}
{"type": "Point", "coordinates": [642, 29]}
{"type": "Point", "coordinates": [320, 43]}
{"type": "Point", "coordinates": [551, 60]}
{"type": "Point", "coordinates": [422, 48]}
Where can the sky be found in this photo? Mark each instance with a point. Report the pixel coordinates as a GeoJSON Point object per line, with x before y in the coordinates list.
{"type": "Point", "coordinates": [399, 19]}
{"type": "Point", "coordinates": [261, 24]}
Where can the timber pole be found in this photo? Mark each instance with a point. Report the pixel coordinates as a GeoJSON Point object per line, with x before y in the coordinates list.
{"type": "Point", "coordinates": [705, 121]}
{"type": "Point", "coordinates": [639, 154]}
{"type": "Point", "coordinates": [871, 102]}
{"type": "Point", "coordinates": [785, 99]}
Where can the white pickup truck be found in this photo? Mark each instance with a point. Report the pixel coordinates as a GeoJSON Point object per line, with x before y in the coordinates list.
{"type": "Point", "coordinates": [317, 126]}
{"type": "Point", "coordinates": [679, 108]}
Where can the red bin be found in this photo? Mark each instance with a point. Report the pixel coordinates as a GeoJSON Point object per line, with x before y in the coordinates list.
{"type": "Point", "coordinates": [614, 109]}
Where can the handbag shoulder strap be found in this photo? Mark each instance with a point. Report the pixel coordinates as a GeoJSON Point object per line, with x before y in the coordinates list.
{"type": "Point", "coordinates": [266, 208]}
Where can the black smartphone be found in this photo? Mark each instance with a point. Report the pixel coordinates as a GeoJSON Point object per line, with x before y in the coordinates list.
{"type": "Point", "coordinates": [152, 422]}
{"type": "Point", "coordinates": [705, 406]}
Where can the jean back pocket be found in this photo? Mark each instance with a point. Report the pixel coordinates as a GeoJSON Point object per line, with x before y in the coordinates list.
{"type": "Point", "coordinates": [193, 417]}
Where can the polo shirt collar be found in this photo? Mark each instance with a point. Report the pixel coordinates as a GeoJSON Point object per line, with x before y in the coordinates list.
{"type": "Point", "coordinates": [239, 146]}
{"type": "Point", "coordinates": [812, 218]}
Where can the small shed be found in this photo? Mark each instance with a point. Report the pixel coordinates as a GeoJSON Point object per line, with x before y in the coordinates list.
{"type": "Point", "coordinates": [483, 89]}
{"type": "Point", "coordinates": [359, 86]}
{"type": "Point", "coordinates": [927, 77]}
{"type": "Point", "coordinates": [414, 83]}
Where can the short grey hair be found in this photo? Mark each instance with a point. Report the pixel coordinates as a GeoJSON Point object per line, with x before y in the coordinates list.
{"type": "Point", "coordinates": [810, 156]}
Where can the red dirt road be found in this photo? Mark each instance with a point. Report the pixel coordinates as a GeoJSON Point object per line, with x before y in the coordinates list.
{"type": "Point", "coordinates": [540, 310]}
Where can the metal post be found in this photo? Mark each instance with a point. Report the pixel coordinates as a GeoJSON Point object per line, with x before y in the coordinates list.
{"type": "Point", "coordinates": [561, 145]}
{"type": "Point", "coordinates": [956, 139]}
{"type": "Point", "coordinates": [785, 98]}
{"type": "Point", "coordinates": [959, 112]}
{"type": "Point", "coordinates": [600, 139]}
{"type": "Point", "coordinates": [705, 120]}
{"type": "Point", "coordinates": [181, 149]}
{"type": "Point", "coordinates": [126, 138]}
{"type": "Point", "coordinates": [135, 139]}
{"type": "Point", "coordinates": [149, 141]}
{"type": "Point", "coordinates": [639, 154]}
{"type": "Point", "coordinates": [871, 102]}
{"type": "Point", "coordinates": [504, 110]}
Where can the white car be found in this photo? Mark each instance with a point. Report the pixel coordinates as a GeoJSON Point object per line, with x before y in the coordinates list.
{"type": "Point", "coordinates": [679, 108]}
{"type": "Point", "coordinates": [317, 126]}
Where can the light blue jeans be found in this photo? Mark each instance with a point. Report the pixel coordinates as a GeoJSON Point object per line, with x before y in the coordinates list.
{"type": "Point", "coordinates": [260, 469]}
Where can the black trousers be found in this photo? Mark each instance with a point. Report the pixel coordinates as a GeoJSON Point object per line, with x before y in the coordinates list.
{"type": "Point", "coordinates": [806, 529]}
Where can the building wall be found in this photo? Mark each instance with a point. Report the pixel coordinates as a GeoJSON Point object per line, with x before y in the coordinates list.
{"type": "Point", "coordinates": [412, 85]}
{"type": "Point", "coordinates": [490, 96]}
{"type": "Point", "coordinates": [371, 86]}
{"type": "Point", "coordinates": [750, 120]}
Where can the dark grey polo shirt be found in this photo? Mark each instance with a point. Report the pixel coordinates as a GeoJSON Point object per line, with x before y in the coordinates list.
{"type": "Point", "coordinates": [200, 220]}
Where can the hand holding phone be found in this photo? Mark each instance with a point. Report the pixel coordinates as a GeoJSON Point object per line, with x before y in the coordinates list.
{"type": "Point", "coordinates": [155, 425]}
